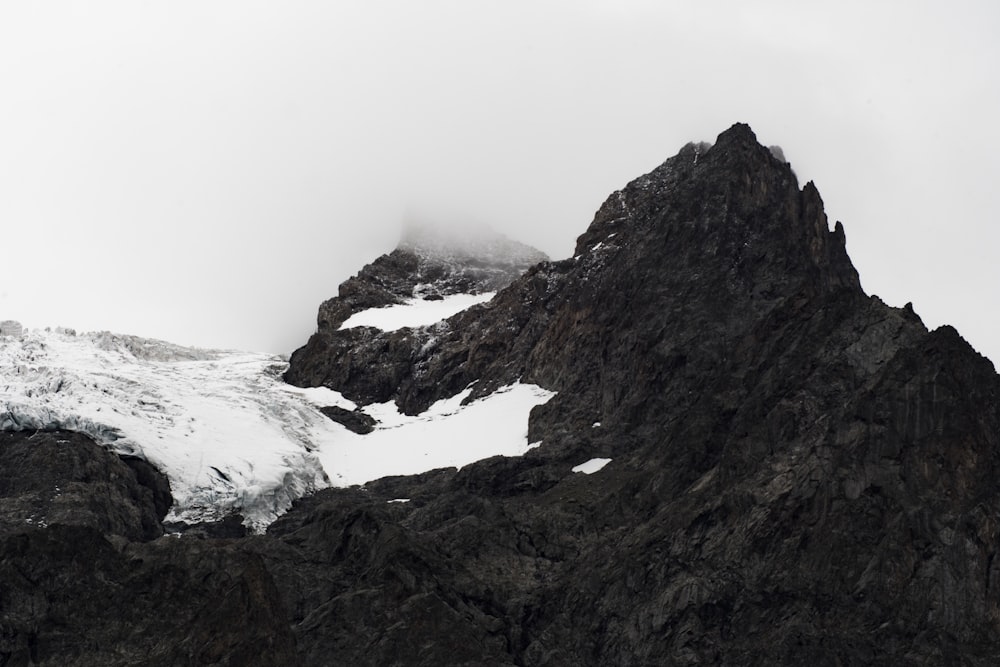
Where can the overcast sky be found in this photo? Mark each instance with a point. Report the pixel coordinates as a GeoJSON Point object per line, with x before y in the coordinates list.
{"type": "Point", "coordinates": [207, 172]}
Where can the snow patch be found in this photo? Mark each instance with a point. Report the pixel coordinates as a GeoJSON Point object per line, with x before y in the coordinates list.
{"type": "Point", "coordinates": [415, 312]}
{"type": "Point", "coordinates": [448, 434]}
{"type": "Point", "coordinates": [591, 466]}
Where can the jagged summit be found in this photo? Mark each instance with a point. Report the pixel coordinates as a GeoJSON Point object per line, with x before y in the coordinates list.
{"type": "Point", "coordinates": [733, 209]}
{"type": "Point", "coordinates": [739, 134]}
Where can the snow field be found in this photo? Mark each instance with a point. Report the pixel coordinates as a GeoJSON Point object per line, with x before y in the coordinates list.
{"type": "Point", "coordinates": [415, 312]}
{"type": "Point", "coordinates": [448, 434]}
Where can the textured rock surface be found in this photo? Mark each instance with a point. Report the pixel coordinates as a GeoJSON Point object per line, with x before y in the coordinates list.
{"type": "Point", "coordinates": [428, 264]}
{"type": "Point", "coordinates": [799, 474]}
{"type": "Point", "coordinates": [87, 579]}
{"type": "Point", "coordinates": [355, 420]}
{"type": "Point", "coordinates": [61, 477]}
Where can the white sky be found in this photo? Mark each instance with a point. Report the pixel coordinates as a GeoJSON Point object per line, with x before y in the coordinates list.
{"type": "Point", "coordinates": [208, 172]}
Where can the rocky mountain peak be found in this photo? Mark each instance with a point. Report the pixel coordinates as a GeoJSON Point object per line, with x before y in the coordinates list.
{"type": "Point", "coordinates": [431, 262]}
{"type": "Point", "coordinates": [729, 209]}
{"type": "Point", "coordinates": [738, 136]}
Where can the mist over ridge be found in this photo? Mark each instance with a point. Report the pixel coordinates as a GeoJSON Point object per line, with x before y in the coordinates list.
{"type": "Point", "coordinates": [207, 174]}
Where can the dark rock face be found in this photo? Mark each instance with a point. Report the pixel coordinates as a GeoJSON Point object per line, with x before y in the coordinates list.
{"type": "Point", "coordinates": [84, 582]}
{"type": "Point", "coordinates": [355, 420]}
{"type": "Point", "coordinates": [64, 477]}
{"type": "Point", "coordinates": [800, 474]}
{"type": "Point", "coordinates": [72, 596]}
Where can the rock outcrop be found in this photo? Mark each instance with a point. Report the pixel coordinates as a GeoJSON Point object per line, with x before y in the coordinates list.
{"type": "Point", "coordinates": [63, 477]}
{"type": "Point", "coordinates": [428, 264]}
{"type": "Point", "coordinates": [85, 581]}
{"type": "Point", "coordinates": [800, 474]}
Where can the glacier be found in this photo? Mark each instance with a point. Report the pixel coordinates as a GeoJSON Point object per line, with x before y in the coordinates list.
{"type": "Point", "coordinates": [227, 431]}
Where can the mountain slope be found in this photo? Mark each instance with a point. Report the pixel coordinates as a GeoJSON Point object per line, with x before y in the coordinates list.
{"type": "Point", "coordinates": [798, 472]}
{"type": "Point", "coordinates": [783, 470]}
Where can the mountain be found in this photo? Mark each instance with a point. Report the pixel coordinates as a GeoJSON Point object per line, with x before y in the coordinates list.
{"type": "Point", "coordinates": [429, 264]}
{"type": "Point", "coordinates": [431, 270]}
{"type": "Point", "coordinates": [736, 457]}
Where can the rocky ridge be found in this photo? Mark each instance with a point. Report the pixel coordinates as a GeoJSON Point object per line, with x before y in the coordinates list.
{"type": "Point", "coordinates": [799, 473]}
{"type": "Point", "coordinates": [430, 263]}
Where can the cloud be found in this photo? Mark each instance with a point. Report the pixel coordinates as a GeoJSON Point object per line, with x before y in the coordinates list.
{"type": "Point", "coordinates": [210, 172]}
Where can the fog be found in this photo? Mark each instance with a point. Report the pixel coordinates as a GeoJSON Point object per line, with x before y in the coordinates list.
{"type": "Point", "coordinates": [208, 173]}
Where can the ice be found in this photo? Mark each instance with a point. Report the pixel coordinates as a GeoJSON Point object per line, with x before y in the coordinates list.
{"type": "Point", "coordinates": [591, 466]}
{"type": "Point", "coordinates": [218, 424]}
{"type": "Point", "coordinates": [415, 312]}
